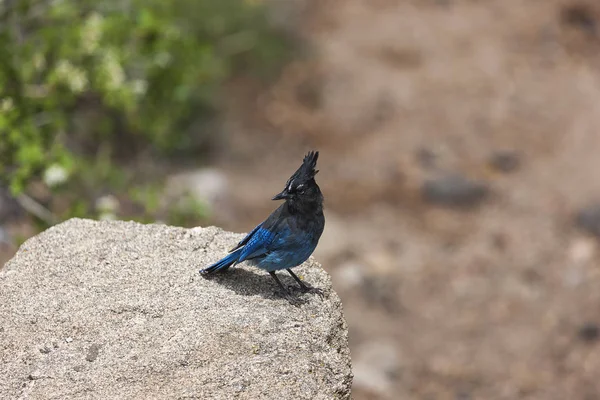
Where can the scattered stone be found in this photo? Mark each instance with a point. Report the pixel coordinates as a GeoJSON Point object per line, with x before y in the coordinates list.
{"type": "Point", "coordinates": [499, 241]}
{"type": "Point", "coordinates": [579, 16]}
{"type": "Point", "coordinates": [426, 157]}
{"type": "Point", "coordinates": [382, 291]}
{"type": "Point", "coordinates": [589, 332]}
{"type": "Point", "coordinates": [462, 395]}
{"type": "Point", "coordinates": [588, 219]}
{"type": "Point", "coordinates": [455, 191]}
{"type": "Point", "coordinates": [505, 161]}
{"type": "Point", "coordinates": [45, 350]}
{"type": "Point", "coordinates": [531, 276]}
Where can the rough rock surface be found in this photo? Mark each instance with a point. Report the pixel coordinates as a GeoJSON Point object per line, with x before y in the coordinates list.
{"type": "Point", "coordinates": [113, 310]}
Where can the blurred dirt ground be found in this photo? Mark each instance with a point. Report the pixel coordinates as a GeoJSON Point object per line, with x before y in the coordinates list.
{"type": "Point", "coordinates": [494, 299]}
{"type": "Point", "coordinates": [459, 139]}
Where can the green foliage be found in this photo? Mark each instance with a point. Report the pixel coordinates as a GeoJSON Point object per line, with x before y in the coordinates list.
{"type": "Point", "coordinates": [187, 210]}
{"type": "Point", "coordinates": [97, 72]}
{"type": "Point", "coordinates": [148, 196]}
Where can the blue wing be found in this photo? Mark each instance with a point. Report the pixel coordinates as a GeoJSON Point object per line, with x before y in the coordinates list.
{"type": "Point", "coordinates": [257, 244]}
{"type": "Point", "coordinates": [246, 239]}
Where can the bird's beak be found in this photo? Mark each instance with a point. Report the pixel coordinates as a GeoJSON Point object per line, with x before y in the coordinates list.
{"type": "Point", "coordinates": [281, 196]}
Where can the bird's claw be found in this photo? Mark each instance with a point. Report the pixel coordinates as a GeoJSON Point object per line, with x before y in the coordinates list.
{"type": "Point", "coordinates": [293, 300]}
{"type": "Point", "coordinates": [317, 291]}
{"type": "Point", "coordinates": [306, 289]}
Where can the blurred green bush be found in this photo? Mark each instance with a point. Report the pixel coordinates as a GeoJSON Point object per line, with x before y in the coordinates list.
{"type": "Point", "coordinates": [77, 74]}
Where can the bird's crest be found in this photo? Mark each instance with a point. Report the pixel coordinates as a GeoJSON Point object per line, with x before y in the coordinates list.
{"type": "Point", "coordinates": [309, 163]}
{"type": "Point", "coordinates": [307, 170]}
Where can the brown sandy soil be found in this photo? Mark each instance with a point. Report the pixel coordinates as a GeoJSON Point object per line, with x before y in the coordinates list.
{"type": "Point", "coordinates": [499, 301]}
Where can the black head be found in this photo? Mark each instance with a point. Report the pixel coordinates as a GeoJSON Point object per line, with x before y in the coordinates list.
{"type": "Point", "coordinates": [302, 185]}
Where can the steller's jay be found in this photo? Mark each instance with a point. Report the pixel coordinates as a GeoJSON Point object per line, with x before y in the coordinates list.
{"type": "Point", "coordinates": [289, 235]}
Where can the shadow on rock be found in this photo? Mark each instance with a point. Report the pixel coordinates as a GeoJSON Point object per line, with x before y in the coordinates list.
{"type": "Point", "coordinates": [250, 283]}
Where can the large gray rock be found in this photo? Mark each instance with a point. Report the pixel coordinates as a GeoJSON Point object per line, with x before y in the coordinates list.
{"type": "Point", "coordinates": [117, 310]}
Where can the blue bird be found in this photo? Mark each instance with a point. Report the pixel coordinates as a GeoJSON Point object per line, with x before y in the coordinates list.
{"type": "Point", "coordinates": [289, 235]}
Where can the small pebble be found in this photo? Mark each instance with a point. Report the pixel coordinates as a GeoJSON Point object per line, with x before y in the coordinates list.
{"type": "Point", "coordinates": [589, 332]}
{"type": "Point", "coordinates": [505, 161]}
{"type": "Point", "coordinates": [455, 191]}
{"type": "Point", "coordinates": [579, 16]}
{"type": "Point", "coordinates": [69, 340]}
{"type": "Point", "coordinates": [426, 157]}
{"type": "Point", "coordinates": [588, 219]}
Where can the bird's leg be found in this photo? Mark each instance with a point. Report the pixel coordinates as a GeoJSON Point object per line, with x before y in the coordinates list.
{"type": "Point", "coordinates": [303, 286]}
{"type": "Point", "coordinates": [286, 293]}
{"type": "Point", "coordinates": [279, 282]}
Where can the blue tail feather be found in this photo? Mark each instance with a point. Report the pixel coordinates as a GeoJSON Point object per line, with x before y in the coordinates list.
{"type": "Point", "coordinates": [223, 264]}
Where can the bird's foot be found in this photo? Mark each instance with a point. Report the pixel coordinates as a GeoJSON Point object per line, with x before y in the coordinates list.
{"type": "Point", "coordinates": [306, 289]}
{"type": "Point", "coordinates": [309, 289]}
{"type": "Point", "coordinates": [315, 290]}
{"type": "Point", "coordinates": [293, 300]}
